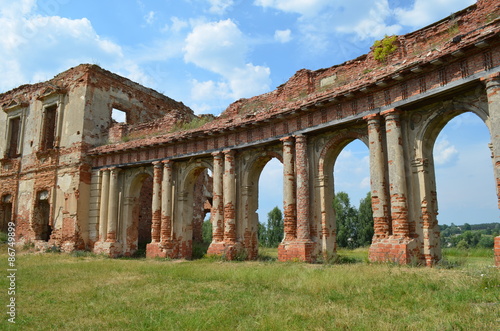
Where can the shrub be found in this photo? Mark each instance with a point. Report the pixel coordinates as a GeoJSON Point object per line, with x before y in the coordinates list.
{"type": "Point", "coordinates": [385, 47]}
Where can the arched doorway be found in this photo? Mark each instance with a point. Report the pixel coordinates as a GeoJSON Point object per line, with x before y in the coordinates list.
{"type": "Point", "coordinates": [253, 168]}
{"type": "Point", "coordinates": [193, 203]}
{"type": "Point", "coordinates": [136, 213]}
{"type": "Point", "coordinates": [430, 155]}
{"type": "Point", "coordinates": [326, 182]}
{"type": "Point", "coordinates": [352, 199]}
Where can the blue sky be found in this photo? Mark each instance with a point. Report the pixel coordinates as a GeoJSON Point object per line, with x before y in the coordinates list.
{"type": "Point", "coordinates": [209, 53]}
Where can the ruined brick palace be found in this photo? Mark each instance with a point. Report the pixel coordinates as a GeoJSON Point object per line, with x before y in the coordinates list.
{"type": "Point", "coordinates": [72, 177]}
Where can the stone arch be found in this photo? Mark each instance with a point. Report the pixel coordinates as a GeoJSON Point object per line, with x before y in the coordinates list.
{"type": "Point", "coordinates": [431, 126]}
{"type": "Point", "coordinates": [325, 187]}
{"type": "Point", "coordinates": [135, 225]}
{"type": "Point", "coordinates": [253, 163]}
{"type": "Point", "coordinates": [425, 203]}
{"type": "Point", "coordinates": [190, 185]}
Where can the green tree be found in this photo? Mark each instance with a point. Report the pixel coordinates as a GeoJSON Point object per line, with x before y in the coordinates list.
{"type": "Point", "coordinates": [275, 228]}
{"type": "Point", "coordinates": [262, 234]}
{"type": "Point", "coordinates": [206, 231]}
{"type": "Point", "coordinates": [354, 226]}
{"type": "Point", "coordinates": [365, 221]}
{"type": "Point", "coordinates": [346, 216]}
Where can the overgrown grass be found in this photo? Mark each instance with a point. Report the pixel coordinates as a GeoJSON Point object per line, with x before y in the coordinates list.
{"type": "Point", "coordinates": [88, 292]}
{"type": "Point", "coordinates": [193, 124]}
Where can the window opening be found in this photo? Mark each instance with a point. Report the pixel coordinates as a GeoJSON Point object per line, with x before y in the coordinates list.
{"type": "Point", "coordinates": [49, 127]}
{"type": "Point", "coordinates": [118, 116]}
{"type": "Point", "coordinates": [14, 134]}
{"type": "Point", "coordinates": [42, 225]}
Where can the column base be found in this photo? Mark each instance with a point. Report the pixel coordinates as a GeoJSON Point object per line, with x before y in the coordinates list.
{"type": "Point", "coordinates": [112, 249]}
{"type": "Point", "coordinates": [228, 251]}
{"type": "Point", "coordinates": [163, 249]}
{"type": "Point", "coordinates": [396, 250]}
{"type": "Point", "coordinates": [296, 251]}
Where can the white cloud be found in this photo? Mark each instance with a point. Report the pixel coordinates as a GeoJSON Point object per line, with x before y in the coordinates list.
{"type": "Point", "coordinates": [425, 12]}
{"type": "Point", "coordinates": [10, 8]}
{"type": "Point", "coordinates": [177, 24]}
{"type": "Point", "coordinates": [307, 8]}
{"type": "Point", "coordinates": [283, 36]}
{"type": "Point", "coordinates": [444, 153]}
{"type": "Point", "coordinates": [150, 17]}
{"type": "Point", "coordinates": [216, 46]}
{"type": "Point", "coordinates": [209, 90]}
{"type": "Point", "coordinates": [322, 25]}
{"type": "Point", "coordinates": [219, 7]}
{"type": "Point", "coordinates": [373, 25]}
{"type": "Point", "coordinates": [37, 47]}
{"type": "Point", "coordinates": [222, 48]}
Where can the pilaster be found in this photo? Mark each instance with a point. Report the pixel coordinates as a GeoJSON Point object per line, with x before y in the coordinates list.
{"type": "Point", "coordinates": [379, 196]}
{"type": "Point", "coordinates": [156, 202]}
{"type": "Point", "coordinates": [103, 208]}
{"type": "Point", "coordinates": [113, 205]}
{"type": "Point", "coordinates": [289, 189]}
{"type": "Point", "coordinates": [217, 212]}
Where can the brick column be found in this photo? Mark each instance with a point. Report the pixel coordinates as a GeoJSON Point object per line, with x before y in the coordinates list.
{"type": "Point", "coordinates": [431, 249]}
{"type": "Point", "coordinates": [217, 212]}
{"type": "Point", "coordinates": [380, 203]}
{"type": "Point", "coordinates": [493, 93]}
{"type": "Point", "coordinates": [103, 208]}
{"type": "Point", "coordinates": [166, 202]}
{"type": "Point", "coordinates": [289, 199]}
{"type": "Point", "coordinates": [298, 245]}
{"type": "Point", "coordinates": [302, 171]}
{"type": "Point", "coordinates": [229, 197]}
{"type": "Point", "coordinates": [397, 177]}
{"type": "Point", "coordinates": [156, 202]}
{"type": "Point", "coordinates": [113, 205]}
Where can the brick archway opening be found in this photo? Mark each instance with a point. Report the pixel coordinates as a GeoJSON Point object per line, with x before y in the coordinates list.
{"type": "Point", "coordinates": [250, 197]}
{"type": "Point", "coordinates": [270, 195]}
{"type": "Point", "coordinates": [351, 177]}
{"type": "Point", "coordinates": [463, 173]}
{"type": "Point", "coordinates": [327, 224]}
{"type": "Point", "coordinates": [202, 204]}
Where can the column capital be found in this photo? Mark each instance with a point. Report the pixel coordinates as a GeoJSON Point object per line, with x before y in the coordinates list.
{"type": "Point", "coordinates": [229, 152]}
{"type": "Point", "coordinates": [372, 117]}
{"type": "Point", "coordinates": [300, 138]}
{"type": "Point", "coordinates": [156, 164]}
{"type": "Point", "coordinates": [167, 163]}
{"type": "Point", "coordinates": [391, 112]}
{"type": "Point", "coordinates": [288, 139]}
{"type": "Point", "coordinates": [491, 81]}
{"type": "Point", "coordinates": [217, 154]}
{"type": "Point", "coordinates": [115, 169]}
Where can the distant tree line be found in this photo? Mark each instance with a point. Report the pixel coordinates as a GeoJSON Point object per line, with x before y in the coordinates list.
{"type": "Point", "coordinates": [469, 236]}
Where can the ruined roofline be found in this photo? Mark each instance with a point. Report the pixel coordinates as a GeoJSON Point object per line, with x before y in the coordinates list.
{"type": "Point", "coordinates": [77, 75]}
{"type": "Point", "coordinates": [401, 59]}
{"type": "Point", "coordinates": [268, 106]}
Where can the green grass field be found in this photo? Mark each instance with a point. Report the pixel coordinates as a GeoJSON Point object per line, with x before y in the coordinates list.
{"type": "Point", "coordinates": [85, 292]}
